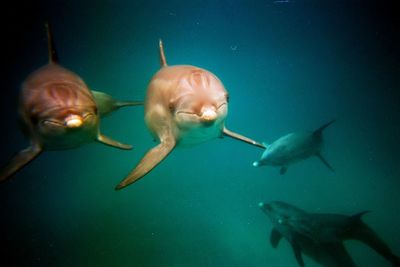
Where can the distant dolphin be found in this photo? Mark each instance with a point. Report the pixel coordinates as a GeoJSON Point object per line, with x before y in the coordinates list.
{"type": "Point", "coordinates": [321, 236]}
{"type": "Point", "coordinates": [58, 112]}
{"type": "Point", "coordinates": [292, 148]}
{"type": "Point", "coordinates": [185, 105]}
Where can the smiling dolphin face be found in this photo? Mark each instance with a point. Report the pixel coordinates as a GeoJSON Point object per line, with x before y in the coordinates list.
{"type": "Point", "coordinates": [58, 108]}
{"type": "Point", "coordinates": [197, 103]}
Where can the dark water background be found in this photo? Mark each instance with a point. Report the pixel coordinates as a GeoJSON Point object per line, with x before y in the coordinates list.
{"type": "Point", "coordinates": [288, 66]}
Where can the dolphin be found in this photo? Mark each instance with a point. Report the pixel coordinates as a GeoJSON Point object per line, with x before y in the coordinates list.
{"type": "Point", "coordinates": [58, 111]}
{"type": "Point", "coordinates": [185, 105]}
{"type": "Point", "coordinates": [292, 148]}
{"type": "Point", "coordinates": [321, 236]}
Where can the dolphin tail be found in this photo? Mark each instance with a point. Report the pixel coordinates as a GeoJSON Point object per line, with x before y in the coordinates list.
{"type": "Point", "coordinates": [324, 161]}
{"type": "Point", "coordinates": [19, 161]}
{"type": "Point", "coordinates": [363, 233]}
{"type": "Point", "coordinates": [53, 57]}
{"type": "Point", "coordinates": [149, 161]}
{"type": "Point", "coordinates": [163, 61]}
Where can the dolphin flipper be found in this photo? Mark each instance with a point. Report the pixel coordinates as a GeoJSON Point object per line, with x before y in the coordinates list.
{"type": "Point", "coordinates": [283, 170]}
{"type": "Point", "coordinates": [107, 104]}
{"type": "Point", "coordinates": [297, 253]}
{"type": "Point", "coordinates": [110, 142]}
{"type": "Point", "coordinates": [335, 255]}
{"type": "Point", "coordinates": [275, 237]}
{"type": "Point", "coordinates": [324, 161]}
{"type": "Point", "coordinates": [242, 138]}
{"type": "Point", "coordinates": [20, 160]}
{"type": "Point", "coordinates": [149, 161]}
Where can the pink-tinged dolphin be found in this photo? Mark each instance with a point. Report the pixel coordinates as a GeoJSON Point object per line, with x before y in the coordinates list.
{"type": "Point", "coordinates": [185, 105]}
{"type": "Point", "coordinates": [321, 235]}
{"type": "Point", "coordinates": [58, 111]}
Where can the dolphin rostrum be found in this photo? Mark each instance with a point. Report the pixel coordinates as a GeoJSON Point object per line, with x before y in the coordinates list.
{"type": "Point", "coordinates": [292, 148]}
{"type": "Point", "coordinates": [58, 111]}
{"type": "Point", "coordinates": [320, 236]}
{"type": "Point", "coordinates": [185, 105]}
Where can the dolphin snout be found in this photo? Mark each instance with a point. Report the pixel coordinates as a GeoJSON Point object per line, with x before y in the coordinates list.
{"type": "Point", "coordinates": [208, 115]}
{"type": "Point", "coordinates": [73, 121]}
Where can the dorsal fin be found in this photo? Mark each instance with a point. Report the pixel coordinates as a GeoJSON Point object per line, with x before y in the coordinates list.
{"type": "Point", "coordinates": [53, 58]}
{"type": "Point", "coordinates": [318, 132]}
{"type": "Point", "coordinates": [163, 61]}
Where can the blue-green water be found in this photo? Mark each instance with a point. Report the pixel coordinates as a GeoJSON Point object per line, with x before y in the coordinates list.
{"type": "Point", "coordinates": [288, 66]}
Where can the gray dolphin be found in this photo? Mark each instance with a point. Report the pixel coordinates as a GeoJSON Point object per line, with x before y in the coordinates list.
{"type": "Point", "coordinates": [292, 148]}
{"type": "Point", "coordinates": [185, 105]}
{"type": "Point", "coordinates": [58, 111]}
{"type": "Point", "coordinates": [320, 236]}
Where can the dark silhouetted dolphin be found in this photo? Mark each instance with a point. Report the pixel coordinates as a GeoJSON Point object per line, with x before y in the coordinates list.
{"type": "Point", "coordinates": [292, 148]}
{"type": "Point", "coordinates": [185, 105]}
{"type": "Point", "coordinates": [321, 236]}
{"type": "Point", "coordinates": [58, 111]}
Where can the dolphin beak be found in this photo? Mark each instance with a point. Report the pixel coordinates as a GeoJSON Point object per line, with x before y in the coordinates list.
{"type": "Point", "coordinates": [209, 115]}
{"type": "Point", "coordinates": [73, 121]}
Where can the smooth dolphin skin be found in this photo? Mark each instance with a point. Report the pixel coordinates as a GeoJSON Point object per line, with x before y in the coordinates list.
{"type": "Point", "coordinates": [292, 148]}
{"type": "Point", "coordinates": [185, 105]}
{"type": "Point", "coordinates": [321, 236]}
{"type": "Point", "coordinates": [58, 111]}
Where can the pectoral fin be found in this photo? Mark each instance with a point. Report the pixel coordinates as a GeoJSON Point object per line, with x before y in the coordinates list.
{"type": "Point", "coordinates": [149, 161]}
{"type": "Point", "coordinates": [324, 161]}
{"type": "Point", "coordinates": [297, 254]}
{"type": "Point", "coordinates": [20, 160]}
{"type": "Point", "coordinates": [107, 104]}
{"type": "Point", "coordinates": [275, 237]}
{"type": "Point", "coordinates": [110, 142]}
{"type": "Point", "coordinates": [242, 138]}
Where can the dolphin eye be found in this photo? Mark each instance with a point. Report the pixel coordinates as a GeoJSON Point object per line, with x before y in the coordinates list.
{"type": "Point", "coordinates": [227, 97]}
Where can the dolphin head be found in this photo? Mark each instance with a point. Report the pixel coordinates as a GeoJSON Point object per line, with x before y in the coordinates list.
{"type": "Point", "coordinates": [281, 214]}
{"type": "Point", "coordinates": [202, 100]}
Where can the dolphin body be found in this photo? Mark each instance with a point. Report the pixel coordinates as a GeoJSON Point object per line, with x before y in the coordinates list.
{"type": "Point", "coordinates": [58, 111]}
{"type": "Point", "coordinates": [321, 236]}
{"type": "Point", "coordinates": [292, 148]}
{"type": "Point", "coordinates": [185, 105]}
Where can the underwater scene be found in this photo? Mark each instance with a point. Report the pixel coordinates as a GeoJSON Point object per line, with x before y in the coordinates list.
{"type": "Point", "coordinates": [200, 133]}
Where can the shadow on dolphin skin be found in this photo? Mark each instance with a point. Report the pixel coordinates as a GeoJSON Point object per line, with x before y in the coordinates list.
{"type": "Point", "coordinates": [58, 112]}
{"type": "Point", "coordinates": [185, 105]}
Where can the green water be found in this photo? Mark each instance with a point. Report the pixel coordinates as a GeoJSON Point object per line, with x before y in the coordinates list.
{"type": "Point", "coordinates": [288, 66]}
